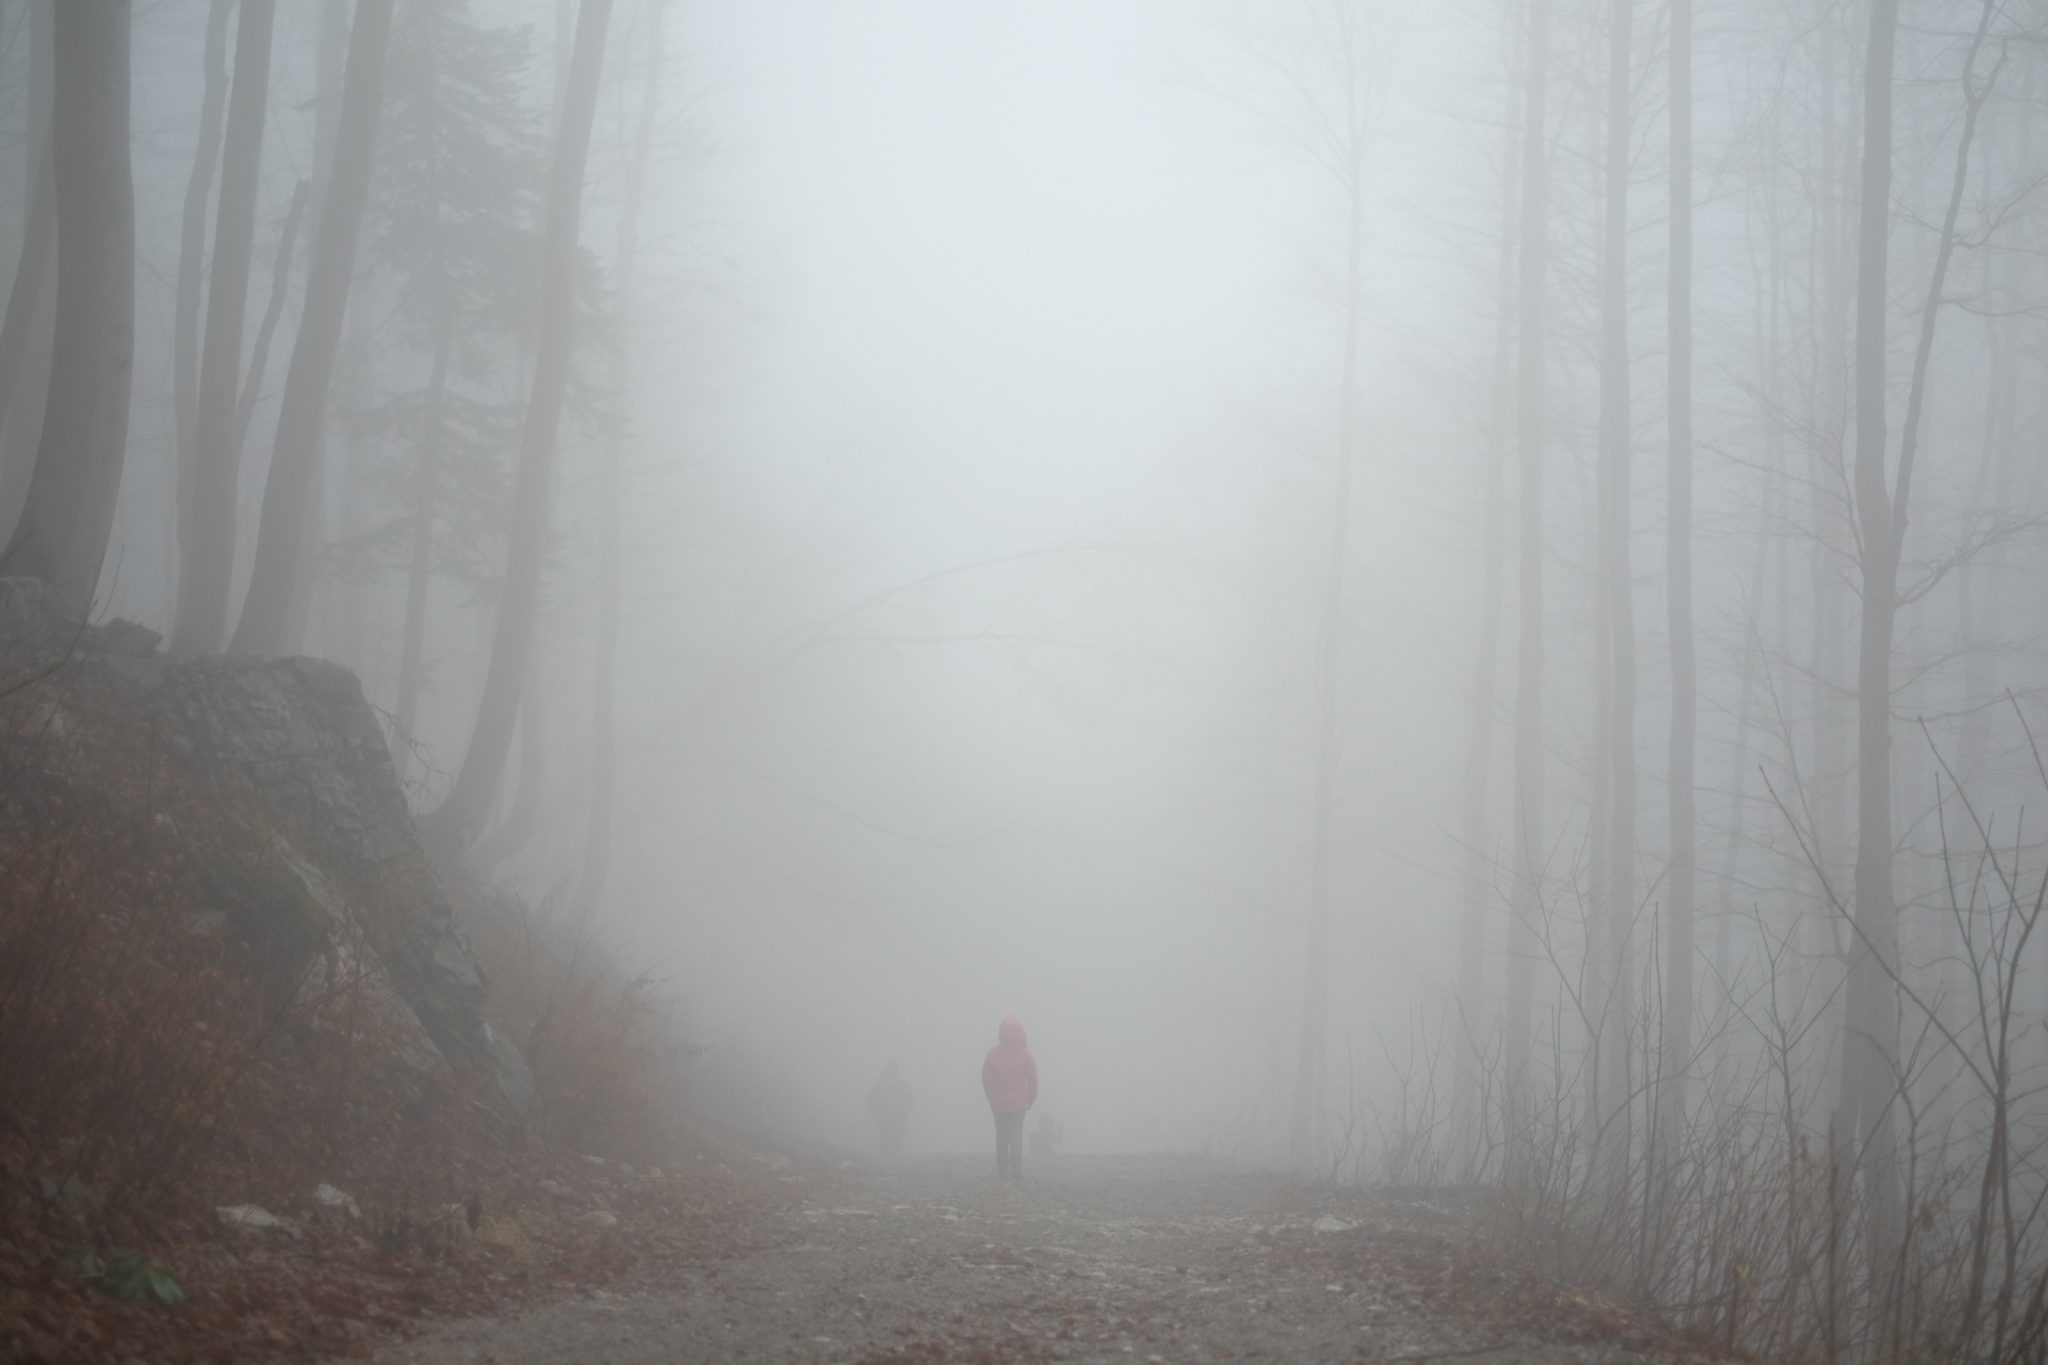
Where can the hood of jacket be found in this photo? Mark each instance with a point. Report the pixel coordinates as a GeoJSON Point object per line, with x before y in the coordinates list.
{"type": "Point", "coordinates": [1010, 1033]}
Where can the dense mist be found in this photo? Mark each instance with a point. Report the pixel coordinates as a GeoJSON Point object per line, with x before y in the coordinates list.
{"type": "Point", "coordinates": [1426, 591]}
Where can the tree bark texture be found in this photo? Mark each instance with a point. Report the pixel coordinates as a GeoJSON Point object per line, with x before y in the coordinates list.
{"type": "Point", "coordinates": [192, 271]}
{"type": "Point", "coordinates": [450, 828]}
{"type": "Point", "coordinates": [282, 551]}
{"type": "Point", "coordinates": [207, 565]}
{"type": "Point", "coordinates": [69, 513]}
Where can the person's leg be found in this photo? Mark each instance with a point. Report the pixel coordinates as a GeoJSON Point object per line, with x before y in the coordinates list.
{"type": "Point", "coordinates": [1010, 1143]}
{"type": "Point", "coordinates": [1002, 1158]}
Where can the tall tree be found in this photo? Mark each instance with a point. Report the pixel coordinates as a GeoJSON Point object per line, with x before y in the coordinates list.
{"type": "Point", "coordinates": [1335, 133]}
{"type": "Point", "coordinates": [31, 273]}
{"type": "Point", "coordinates": [281, 552]}
{"type": "Point", "coordinates": [1870, 1079]}
{"type": "Point", "coordinates": [273, 312]}
{"type": "Point", "coordinates": [611, 551]}
{"type": "Point", "coordinates": [333, 504]}
{"type": "Point", "coordinates": [1871, 1027]}
{"type": "Point", "coordinates": [454, 825]}
{"type": "Point", "coordinates": [1531, 421]}
{"type": "Point", "coordinates": [69, 515]}
{"type": "Point", "coordinates": [27, 332]}
{"type": "Point", "coordinates": [39, 221]}
{"type": "Point", "coordinates": [1478, 880]}
{"type": "Point", "coordinates": [1614, 889]}
{"type": "Point", "coordinates": [192, 272]}
{"type": "Point", "coordinates": [451, 234]}
{"type": "Point", "coordinates": [1675, 1057]}
{"type": "Point", "coordinates": [206, 566]}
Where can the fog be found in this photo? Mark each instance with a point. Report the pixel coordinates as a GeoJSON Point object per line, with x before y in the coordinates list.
{"type": "Point", "coordinates": [1029, 316]}
{"type": "Point", "coordinates": [1393, 645]}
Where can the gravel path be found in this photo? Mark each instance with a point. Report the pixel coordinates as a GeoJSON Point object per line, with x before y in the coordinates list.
{"type": "Point", "coordinates": [1095, 1259]}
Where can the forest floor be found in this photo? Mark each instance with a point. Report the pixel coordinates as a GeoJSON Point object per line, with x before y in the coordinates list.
{"type": "Point", "coordinates": [933, 1260]}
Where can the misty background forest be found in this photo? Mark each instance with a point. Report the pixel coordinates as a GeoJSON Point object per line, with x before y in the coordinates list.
{"type": "Point", "coordinates": [1432, 592]}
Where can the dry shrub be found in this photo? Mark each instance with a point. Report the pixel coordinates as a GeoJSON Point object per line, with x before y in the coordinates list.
{"type": "Point", "coordinates": [124, 1023]}
{"type": "Point", "coordinates": [601, 1042]}
{"type": "Point", "coordinates": [143, 1053]}
{"type": "Point", "coordinates": [178, 1025]}
{"type": "Point", "coordinates": [592, 1053]}
{"type": "Point", "coordinates": [1747, 1222]}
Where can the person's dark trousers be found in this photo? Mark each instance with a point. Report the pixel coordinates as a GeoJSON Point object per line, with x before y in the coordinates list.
{"type": "Point", "coordinates": [1010, 1144]}
{"type": "Point", "coordinates": [892, 1136]}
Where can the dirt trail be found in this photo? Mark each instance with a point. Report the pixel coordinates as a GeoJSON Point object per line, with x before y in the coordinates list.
{"type": "Point", "coordinates": [1093, 1259]}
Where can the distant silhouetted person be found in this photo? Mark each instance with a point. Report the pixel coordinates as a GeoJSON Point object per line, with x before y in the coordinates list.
{"type": "Point", "coordinates": [889, 1101]}
{"type": "Point", "coordinates": [1047, 1137]}
{"type": "Point", "coordinates": [1009, 1077]}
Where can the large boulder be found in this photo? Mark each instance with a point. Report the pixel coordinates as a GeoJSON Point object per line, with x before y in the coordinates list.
{"type": "Point", "coordinates": [273, 780]}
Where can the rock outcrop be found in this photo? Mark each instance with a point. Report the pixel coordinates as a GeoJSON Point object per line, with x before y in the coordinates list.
{"type": "Point", "coordinates": [272, 781]}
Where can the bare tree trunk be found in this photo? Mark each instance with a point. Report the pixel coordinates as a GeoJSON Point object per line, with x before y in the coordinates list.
{"type": "Point", "coordinates": [420, 561]}
{"type": "Point", "coordinates": [25, 334]}
{"type": "Point", "coordinates": [604, 720]}
{"type": "Point", "coordinates": [1871, 1080]}
{"type": "Point", "coordinates": [1760, 586]}
{"type": "Point", "coordinates": [69, 515]}
{"type": "Point", "coordinates": [192, 271]}
{"type": "Point", "coordinates": [564, 49]}
{"type": "Point", "coordinates": [453, 826]}
{"type": "Point", "coordinates": [345, 600]}
{"type": "Point", "coordinates": [294, 482]}
{"type": "Point", "coordinates": [1311, 1060]}
{"type": "Point", "coordinates": [1828, 669]}
{"type": "Point", "coordinates": [1478, 859]}
{"type": "Point", "coordinates": [329, 58]}
{"type": "Point", "coordinates": [1531, 423]}
{"type": "Point", "coordinates": [1615, 895]}
{"type": "Point", "coordinates": [1675, 1057]}
{"type": "Point", "coordinates": [512, 834]}
{"type": "Point", "coordinates": [1871, 1009]}
{"type": "Point", "coordinates": [206, 566]}
{"type": "Point", "coordinates": [25, 298]}
{"type": "Point", "coordinates": [273, 311]}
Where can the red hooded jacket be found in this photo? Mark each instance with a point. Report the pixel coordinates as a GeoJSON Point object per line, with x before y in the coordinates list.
{"type": "Point", "coordinates": [1009, 1076]}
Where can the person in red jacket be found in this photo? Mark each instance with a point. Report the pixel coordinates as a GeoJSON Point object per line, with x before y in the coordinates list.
{"type": "Point", "coordinates": [1009, 1077]}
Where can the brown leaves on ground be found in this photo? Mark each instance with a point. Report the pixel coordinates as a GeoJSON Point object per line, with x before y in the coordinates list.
{"type": "Point", "coordinates": [337, 1292]}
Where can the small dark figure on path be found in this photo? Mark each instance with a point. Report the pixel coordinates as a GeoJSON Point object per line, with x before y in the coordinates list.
{"type": "Point", "coordinates": [889, 1101]}
{"type": "Point", "coordinates": [1009, 1077]}
{"type": "Point", "coordinates": [1047, 1137]}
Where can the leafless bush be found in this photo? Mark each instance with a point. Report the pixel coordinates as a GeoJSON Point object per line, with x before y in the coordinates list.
{"type": "Point", "coordinates": [1746, 1222]}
